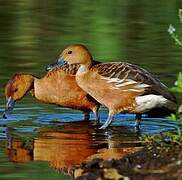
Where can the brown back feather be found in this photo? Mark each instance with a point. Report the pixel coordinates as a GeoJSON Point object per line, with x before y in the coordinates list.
{"type": "Point", "coordinates": [69, 69]}
{"type": "Point", "coordinates": [136, 73]}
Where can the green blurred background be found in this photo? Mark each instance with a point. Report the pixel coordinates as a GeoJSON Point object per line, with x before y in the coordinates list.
{"type": "Point", "coordinates": [32, 33]}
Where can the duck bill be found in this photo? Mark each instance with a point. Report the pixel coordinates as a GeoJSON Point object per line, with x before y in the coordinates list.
{"type": "Point", "coordinates": [52, 66]}
{"type": "Point", "coordinates": [61, 61]}
{"type": "Point", "coordinates": [9, 107]}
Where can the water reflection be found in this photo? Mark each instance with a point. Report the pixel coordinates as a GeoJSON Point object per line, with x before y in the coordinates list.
{"type": "Point", "coordinates": [73, 144]}
{"type": "Point", "coordinates": [17, 152]}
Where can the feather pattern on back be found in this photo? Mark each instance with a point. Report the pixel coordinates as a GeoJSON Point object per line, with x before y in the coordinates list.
{"type": "Point", "coordinates": [129, 74]}
{"type": "Point", "coordinates": [69, 69]}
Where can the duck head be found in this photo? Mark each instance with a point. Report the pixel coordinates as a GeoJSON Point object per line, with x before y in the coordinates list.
{"type": "Point", "coordinates": [16, 89]}
{"type": "Point", "coordinates": [75, 54]}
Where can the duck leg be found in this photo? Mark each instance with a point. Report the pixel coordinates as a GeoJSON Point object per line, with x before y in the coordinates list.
{"type": "Point", "coordinates": [86, 116]}
{"type": "Point", "coordinates": [97, 117]}
{"type": "Point", "coordinates": [108, 121]}
{"type": "Point", "coordinates": [137, 120]}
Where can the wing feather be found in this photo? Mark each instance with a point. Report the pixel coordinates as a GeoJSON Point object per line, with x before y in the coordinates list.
{"type": "Point", "coordinates": [69, 69]}
{"type": "Point", "coordinates": [125, 74]}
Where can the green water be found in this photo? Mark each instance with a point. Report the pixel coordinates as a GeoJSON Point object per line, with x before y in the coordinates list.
{"type": "Point", "coordinates": [32, 34]}
{"type": "Point", "coordinates": [28, 171]}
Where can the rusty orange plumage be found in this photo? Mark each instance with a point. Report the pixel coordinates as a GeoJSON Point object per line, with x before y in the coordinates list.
{"type": "Point", "coordinates": [119, 86]}
{"type": "Point", "coordinates": [56, 87]}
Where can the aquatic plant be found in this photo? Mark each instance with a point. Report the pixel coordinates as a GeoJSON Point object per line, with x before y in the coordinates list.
{"type": "Point", "coordinates": [178, 89]}
{"type": "Point", "coordinates": [178, 84]}
{"type": "Point", "coordinates": [172, 30]}
{"type": "Point", "coordinates": [168, 139]}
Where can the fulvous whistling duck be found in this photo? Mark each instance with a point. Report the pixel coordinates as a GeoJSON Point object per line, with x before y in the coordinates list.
{"type": "Point", "coordinates": [57, 87]}
{"type": "Point", "coordinates": [121, 87]}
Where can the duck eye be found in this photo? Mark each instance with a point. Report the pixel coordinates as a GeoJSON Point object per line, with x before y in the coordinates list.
{"type": "Point", "coordinates": [16, 90]}
{"type": "Point", "coordinates": [69, 52]}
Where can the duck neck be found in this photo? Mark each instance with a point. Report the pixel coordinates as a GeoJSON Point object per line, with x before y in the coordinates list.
{"type": "Point", "coordinates": [33, 86]}
{"type": "Point", "coordinates": [84, 67]}
{"type": "Point", "coordinates": [27, 81]}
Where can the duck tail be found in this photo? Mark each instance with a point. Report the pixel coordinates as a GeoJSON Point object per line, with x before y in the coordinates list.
{"type": "Point", "coordinates": [172, 98]}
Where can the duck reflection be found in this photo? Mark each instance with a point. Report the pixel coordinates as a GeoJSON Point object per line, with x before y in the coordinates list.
{"type": "Point", "coordinates": [64, 148]}
{"type": "Point", "coordinates": [17, 150]}
{"type": "Point", "coordinates": [74, 143]}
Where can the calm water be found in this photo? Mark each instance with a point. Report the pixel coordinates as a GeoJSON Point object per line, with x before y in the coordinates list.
{"type": "Point", "coordinates": [38, 139]}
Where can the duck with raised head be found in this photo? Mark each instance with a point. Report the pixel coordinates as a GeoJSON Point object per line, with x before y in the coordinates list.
{"type": "Point", "coordinates": [120, 86]}
{"type": "Point", "coordinates": [56, 87]}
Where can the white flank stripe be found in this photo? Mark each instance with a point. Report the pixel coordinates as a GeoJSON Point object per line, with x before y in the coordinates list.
{"type": "Point", "coordinates": [126, 83]}
{"type": "Point", "coordinates": [114, 80]}
{"type": "Point", "coordinates": [135, 90]}
{"type": "Point", "coordinates": [147, 102]}
{"type": "Point", "coordinates": [142, 85]}
{"type": "Point", "coordinates": [119, 83]}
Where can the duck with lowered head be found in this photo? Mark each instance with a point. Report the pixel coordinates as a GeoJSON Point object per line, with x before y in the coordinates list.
{"type": "Point", "coordinates": [56, 87]}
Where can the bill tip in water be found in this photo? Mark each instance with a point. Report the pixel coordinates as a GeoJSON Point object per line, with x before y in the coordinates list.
{"type": "Point", "coordinates": [4, 116]}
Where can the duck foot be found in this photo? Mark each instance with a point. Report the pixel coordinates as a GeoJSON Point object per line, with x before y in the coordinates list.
{"type": "Point", "coordinates": [108, 122]}
{"type": "Point", "coordinates": [4, 116]}
{"type": "Point", "coordinates": [97, 117]}
{"type": "Point", "coordinates": [86, 116]}
{"type": "Point", "coordinates": [138, 123]}
{"type": "Point", "coordinates": [137, 130]}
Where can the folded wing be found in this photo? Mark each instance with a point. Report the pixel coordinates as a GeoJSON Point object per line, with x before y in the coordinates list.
{"type": "Point", "coordinates": [129, 77]}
